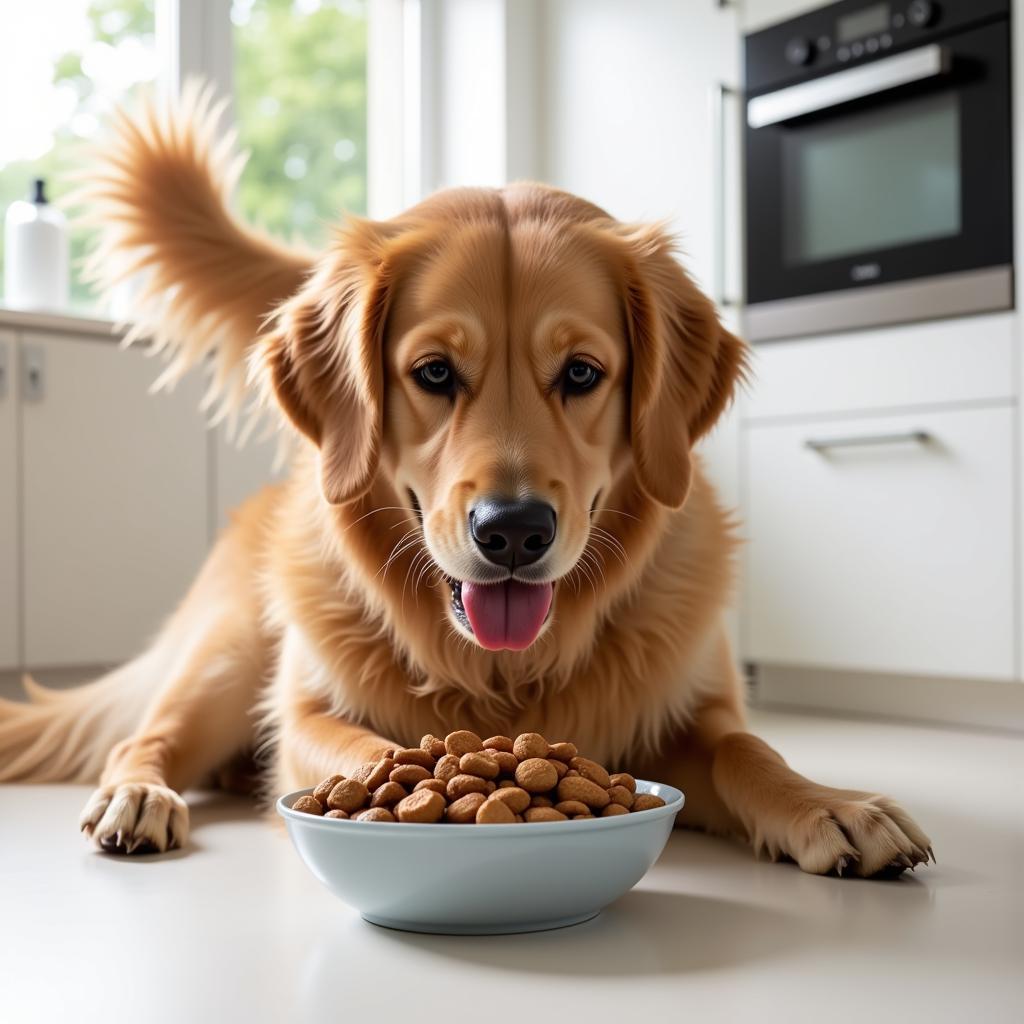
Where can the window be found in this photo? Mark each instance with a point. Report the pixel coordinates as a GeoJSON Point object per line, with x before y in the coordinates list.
{"type": "Point", "coordinates": [62, 69]}
{"type": "Point", "coordinates": [300, 103]}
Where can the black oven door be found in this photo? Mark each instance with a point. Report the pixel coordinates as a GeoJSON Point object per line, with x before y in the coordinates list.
{"type": "Point", "coordinates": [894, 170]}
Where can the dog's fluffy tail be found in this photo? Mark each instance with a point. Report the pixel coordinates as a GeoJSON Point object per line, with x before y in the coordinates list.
{"type": "Point", "coordinates": [158, 194]}
{"type": "Point", "coordinates": [65, 735]}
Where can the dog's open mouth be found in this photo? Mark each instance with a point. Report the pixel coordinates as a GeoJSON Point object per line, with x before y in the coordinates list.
{"type": "Point", "coordinates": [502, 616]}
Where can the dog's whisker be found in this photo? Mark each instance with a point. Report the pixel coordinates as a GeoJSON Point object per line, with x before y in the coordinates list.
{"type": "Point", "coordinates": [374, 511]}
{"type": "Point", "coordinates": [616, 511]}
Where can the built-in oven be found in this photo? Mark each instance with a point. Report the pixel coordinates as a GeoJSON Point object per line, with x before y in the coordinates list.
{"type": "Point", "coordinates": [878, 184]}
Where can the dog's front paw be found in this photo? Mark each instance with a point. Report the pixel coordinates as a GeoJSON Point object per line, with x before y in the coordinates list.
{"type": "Point", "coordinates": [853, 833]}
{"type": "Point", "coordinates": [135, 817]}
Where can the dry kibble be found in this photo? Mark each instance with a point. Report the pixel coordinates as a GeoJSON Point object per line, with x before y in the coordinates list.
{"type": "Point", "coordinates": [647, 802]}
{"type": "Point", "coordinates": [463, 811]}
{"type": "Point", "coordinates": [621, 796]}
{"type": "Point", "coordinates": [508, 783]}
{"type": "Point", "coordinates": [541, 801]}
{"type": "Point", "coordinates": [581, 817]}
{"type": "Point", "coordinates": [572, 774]}
{"type": "Point", "coordinates": [308, 805]}
{"type": "Point", "coordinates": [591, 770]}
{"type": "Point", "coordinates": [491, 786]}
{"type": "Point", "coordinates": [499, 743]}
{"type": "Point", "coordinates": [435, 784]}
{"type": "Point", "coordinates": [463, 784]}
{"type": "Point", "coordinates": [389, 752]}
{"type": "Point", "coordinates": [335, 814]}
{"type": "Point", "coordinates": [560, 767]}
{"type": "Point", "coordinates": [478, 763]}
{"type": "Point", "coordinates": [507, 763]}
{"type": "Point", "coordinates": [409, 774]}
{"type": "Point", "coordinates": [494, 812]}
{"type": "Point", "coordinates": [374, 814]}
{"type": "Point", "coordinates": [622, 779]}
{"type": "Point", "coordinates": [433, 746]}
{"type": "Point", "coordinates": [571, 808]}
{"type": "Point", "coordinates": [349, 795]}
{"type": "Point", "coordinates": [323, 791]}
{"type": "Point", "coordinates": [462, 742]}
{"type": "Point", "coordinates": [388, 795]}
{"type": "Point", "coordinates": [363, 772]}
{"type": "Point", "coordinates": [543, 814]}
{"type": "Point", "coordinates": [517, 799]}
{"type": "Point", "coordinates": [380, 774]}
{"type": "Point", "coordinates": [612, 809]}
{"type": "Point", "coordinates": [415, 755]}
{"type": "Point", "coordinates": [446, 768]}
{"type": "Point", "coordinates": [529, 745]}
{"type": "Point", "coordinates": [587, 792]}
{"type": "Point", "coordinates": [563, 751]}
{"type": "Point", "coordinates": [536, 775]}
{"type": "Point", "coordinates": [424, 807]}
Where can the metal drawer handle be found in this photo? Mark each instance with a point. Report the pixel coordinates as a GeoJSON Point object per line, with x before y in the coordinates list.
{"type": "Point", "coordinates": [824, 444]}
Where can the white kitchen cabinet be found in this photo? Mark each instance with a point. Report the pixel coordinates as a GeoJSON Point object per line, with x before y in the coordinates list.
{"type": "Point", "coordinates": [115, 499]}
{"type": "Point", "coordinates": [9, 604]}
{"type": "Point", "coordinates": [884, 557]}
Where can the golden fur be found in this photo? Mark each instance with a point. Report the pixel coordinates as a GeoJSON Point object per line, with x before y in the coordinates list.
{"type": "Point", "coordinates": [323, 610]}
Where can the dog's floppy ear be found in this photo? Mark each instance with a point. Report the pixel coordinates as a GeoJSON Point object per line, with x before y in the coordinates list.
{"type": "Point", "coordinates": [322, 359]}
{"type": "Point", "coordinates": [685, 365]}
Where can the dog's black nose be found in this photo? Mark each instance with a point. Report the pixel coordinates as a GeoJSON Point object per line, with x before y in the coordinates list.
{"type": "Point", "coordinates": [512, 533]}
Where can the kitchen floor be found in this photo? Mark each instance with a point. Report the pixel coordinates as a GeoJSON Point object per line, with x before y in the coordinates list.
{"type": "Point", "coordinates": [236, 929]}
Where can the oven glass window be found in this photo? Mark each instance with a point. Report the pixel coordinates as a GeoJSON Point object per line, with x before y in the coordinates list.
{"type": "Point", "coordinates": [869, 181]}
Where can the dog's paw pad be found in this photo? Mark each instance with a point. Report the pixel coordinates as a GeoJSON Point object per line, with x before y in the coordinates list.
{"type": "Point", "coordinates": [135, 818]}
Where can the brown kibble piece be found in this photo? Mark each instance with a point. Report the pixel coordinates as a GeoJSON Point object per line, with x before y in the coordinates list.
{"type": "Point", "coordinates": [543, 814]}
{"type": "Point", "coordinates": [463, 811]}
{"type": "Point", "coordinates": [536, 775]}
{"type": "Point", "coordinates": [435, 784]}
{"type": "Point", "coordinates": [477, 763]}
{"type": "Point", "coordinates": [612, 809]}
{"type": "Point", "coordinates": [571, 808]}
{"type": "Point", "coordinates": [446, 768]}
{"type": "Point", "coordinates": [581, 817]}
{"type": "Point", "coordinates": [647, 802]}
{"type": "Point", "coordinates": [494, 812]}
{"type": "Point", "coordinates": [507, 763]}
{"type": "Point", "coordinates": [388, 752]}
{"type": "Point", "coordinates": [374, 814]}
{"type": "Point", "coordinates": [335, 814]}
{"type": "Point", "coordinates": [587, 792]}
{"type": "Point", "coordinates": [462, 742]}
{"type": "Point", "coordinates": [388, 795]}
{"type": "Point", "coordinates": [541, 801]}
{"type": "Point", "coordinates": [591, 770]}
{"type": "Point", "coordinates": [363, 772]}
{"type": "Point", "coordinates": [508, 783]}
{"type": "Point", "coordinates": [415, 755]}
{"type": "Point", "coordinates": [560, 767]}
{"type": "Point", "coordinates": [572, 774]}
{"type": "Point", "coordinates": [348, 795]}
{"type": "Point", "coordinates": [517, 799]}
{"type": "Point", "coordinates": [563, 751]}
{"type": "Point", "coordinates": [624, 779]}
{"type": "Point", "coordinates": [433, 746]}
{"type": "Point", "coordinates": [502, 743]}
{"type": "Point", "coordinates": [463, 784]}
{"type": "Point", "coordinates": [323, 791]}
{"type": "Point", "coordinates": [380, 773]}
{"type": "Point", "coordinates": [622, 796]}
{"type": "Point", "coordinates": [529, 745]}
{"type": "Point", "coordinates": [424, 807]}
{"type": "Point", "coordinates": [308, 805]}
{"type": "Point", "coordinates": [409, 774]}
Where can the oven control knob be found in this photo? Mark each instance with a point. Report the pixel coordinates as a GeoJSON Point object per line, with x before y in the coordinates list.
{"type": "Point", "coordinates": [921, 13]}
{"type": "Point", "coordinates": [799, 51]}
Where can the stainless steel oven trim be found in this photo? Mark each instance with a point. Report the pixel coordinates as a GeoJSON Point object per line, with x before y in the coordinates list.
{"type": "Point", "coordinates": [932, 298]}
{"type": "Point", "coordinates": [848, 84]}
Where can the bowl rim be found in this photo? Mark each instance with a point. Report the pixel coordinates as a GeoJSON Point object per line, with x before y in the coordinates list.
{"type": "Point", "coordinates": [674, 801]}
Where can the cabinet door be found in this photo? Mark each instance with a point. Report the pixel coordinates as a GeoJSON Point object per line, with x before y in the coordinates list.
{"type": "Point", "coordinates": [115, 499]}
{"type": "Point", "coordinates": [892, 554]}
{"type": "Point", "coordinates": [9, 612]}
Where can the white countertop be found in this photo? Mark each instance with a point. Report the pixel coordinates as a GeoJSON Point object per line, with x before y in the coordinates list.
{"type": "Point", "coordinates": [236, 929]}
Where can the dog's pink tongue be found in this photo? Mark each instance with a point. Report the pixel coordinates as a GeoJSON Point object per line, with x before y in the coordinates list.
{"type": "Point", "coordinates": [506, 615]}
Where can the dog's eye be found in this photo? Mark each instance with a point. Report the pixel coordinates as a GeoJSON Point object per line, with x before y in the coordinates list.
{"type": "Point", "coordinates": [580, 376]}
{"type": "Point", "coordinates": [436, 376]}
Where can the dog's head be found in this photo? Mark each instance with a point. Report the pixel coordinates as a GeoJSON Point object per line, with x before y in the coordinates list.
{"type": "Point", "coordinates": [502, 365]}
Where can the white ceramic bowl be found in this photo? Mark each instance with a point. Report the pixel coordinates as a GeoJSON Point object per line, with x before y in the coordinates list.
{"type": "Point", "coordinates": [482, 879]}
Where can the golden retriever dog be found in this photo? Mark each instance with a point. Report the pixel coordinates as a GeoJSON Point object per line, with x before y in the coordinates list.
{"type": "Point", "coordinates": [494, 519]}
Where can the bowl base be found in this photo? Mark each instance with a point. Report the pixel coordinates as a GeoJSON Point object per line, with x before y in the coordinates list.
{"type": "Point", "coordinates": [480, 929]}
